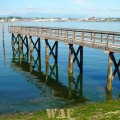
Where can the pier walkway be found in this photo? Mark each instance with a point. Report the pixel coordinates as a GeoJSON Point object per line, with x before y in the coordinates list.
{"type": "Point", "coordinates": [105, 40]}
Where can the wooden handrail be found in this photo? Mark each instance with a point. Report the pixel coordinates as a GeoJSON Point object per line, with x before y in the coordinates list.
{"type": "Point", "coordinates": [73, 36]}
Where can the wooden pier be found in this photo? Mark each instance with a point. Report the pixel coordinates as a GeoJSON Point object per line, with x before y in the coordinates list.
{"type": "Point", "coordinates": [105, 40]}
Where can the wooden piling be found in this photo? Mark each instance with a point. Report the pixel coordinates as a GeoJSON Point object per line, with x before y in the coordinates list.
{"type": "Point", "coordinates": [39, 54]}
{"type": "Point", "coordinates": [70, 70]}
{"type": "Point", "coordinates": [81, 71]}
{"type": "Point", "coordinates": [39, 47]}
{"type": "Point", "coordinates": [19, 47]}
{"type": "Point", "coordinates": [109, 95]}
{"type": "Point", "coordinates": [70, 78]}
{"type": "Point", "coordinates": [110, 75]}
{"type": "Point", "coordinates": [46, 58]}
{"type": "Point", "coordinates": [12, 41]}
{"type": "Point", "coordinates": [70, 66]}
{"type": "Point", "coordinates": [20, 43]}
{"type": "Point", "coordinates": [31, 50]}
{"type": "Point", "coordinates": [31, 47]}
{"type": "Point", "coordinates": [46, 51]}
{"type": "Point", "coordinates": [81, 59]}
{"type": "Point", "coordinates": [56, 52]}
{"type": "Point", "coordinates": [47, 68]}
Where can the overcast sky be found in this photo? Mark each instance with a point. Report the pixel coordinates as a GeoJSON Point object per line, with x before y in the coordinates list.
{"type": "Point", "coordinates": [60, 8]}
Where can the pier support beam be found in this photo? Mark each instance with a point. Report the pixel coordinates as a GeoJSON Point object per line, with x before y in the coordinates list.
{"type": "Point", "coordinates": [15, 45]}
{"type": "Point", "coordinates": [109, 95]}
{"type": "Point", "coordinates": [111, 74]}
{"type": "Point", "coordinates": [46, 51]}
{"type": "Point", "coordinates": [14, 41]}
{"type": "Point", "coordinates": [70, 66]}
{"type": "Point", "coordinates": [20, 43]}
{"type": "Point", "coordinates": [24, 43]}
{"type": "Point", "coordinates": [52, 50]}
{"type": "Point", "coordinates": [73, 81]}
{"type": "Point", "coordinates": [73, 56]}
{"type": "Point", "coordinates": [36, 46]}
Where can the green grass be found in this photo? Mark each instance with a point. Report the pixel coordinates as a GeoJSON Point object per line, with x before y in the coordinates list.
{"type": "Point", "coordinates": [109, 110]}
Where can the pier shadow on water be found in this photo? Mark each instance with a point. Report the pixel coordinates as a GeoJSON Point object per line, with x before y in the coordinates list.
{"type": "Point", "coordinates": [50, 77]}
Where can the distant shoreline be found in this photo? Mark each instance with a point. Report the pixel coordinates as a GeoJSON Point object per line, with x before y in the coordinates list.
{"type": "Point", "coordinates": [59, 21]}
{"type": "Point", "coordinates": [91, 19]}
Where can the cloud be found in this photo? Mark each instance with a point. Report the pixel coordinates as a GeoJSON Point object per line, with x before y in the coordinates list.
{"type": "Point", "coordinates": [114, 9]}
{"type": "Point", "coordinates": [31, 8]}
{"type": "Point", "coordinates": [6, 12]}
{"type": "Point", "coordinates": [78, 1]}
{"type": "Point", "coordinates": [91, 9]}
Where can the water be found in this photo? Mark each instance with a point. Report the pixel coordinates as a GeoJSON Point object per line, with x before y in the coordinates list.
{"type": "Point", "coordinates": [22, 90]}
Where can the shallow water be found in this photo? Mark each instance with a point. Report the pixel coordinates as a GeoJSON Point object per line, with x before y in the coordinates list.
{"type": "Point", "coordinates": [22, 90]}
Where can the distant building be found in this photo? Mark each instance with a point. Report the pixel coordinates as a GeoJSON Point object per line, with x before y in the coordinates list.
{"type": "Point", "coordinates": [14, 19]}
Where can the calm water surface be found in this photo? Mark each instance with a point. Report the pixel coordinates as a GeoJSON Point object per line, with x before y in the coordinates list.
{"type": "Point", "coordinates": [22, 90]}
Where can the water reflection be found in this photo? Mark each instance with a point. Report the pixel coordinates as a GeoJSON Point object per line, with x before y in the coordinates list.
{"type": "Point", "coordinates": [76, 87]}
{"type": "Point", "coordinates": [4, 54]}
{"type": "Point", "coordinates": [48, 79]}
{"type": "Point", "coordinates": [48, 82]}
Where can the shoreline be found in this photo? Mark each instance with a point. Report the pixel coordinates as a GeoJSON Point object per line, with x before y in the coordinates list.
{"type": "Point", "coordinates": [101, 110]}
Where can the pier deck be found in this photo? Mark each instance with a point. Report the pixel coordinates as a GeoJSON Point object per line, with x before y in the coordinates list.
{"type": "Point", "coordinates": [105, 40]}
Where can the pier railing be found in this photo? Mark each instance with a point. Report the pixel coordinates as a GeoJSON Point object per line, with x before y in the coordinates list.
{"type": "Point", "coordinates": [105, 40]}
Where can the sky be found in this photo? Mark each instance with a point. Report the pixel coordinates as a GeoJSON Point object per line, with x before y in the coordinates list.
{"type": "Point", "coordinates": [60, 8]}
